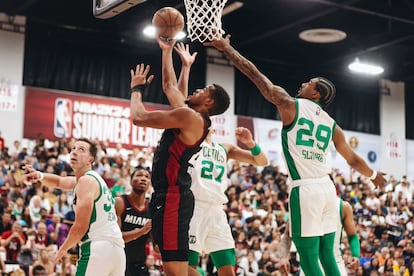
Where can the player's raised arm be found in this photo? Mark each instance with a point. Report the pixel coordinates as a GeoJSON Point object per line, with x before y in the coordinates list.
{"type": "Point", "coordinates": [273, 93]}
{"type": "Point", "coordinates": [187, 60]}
{"type": "Point", "coordinates": [49, 179]}
{"type": "Point", "coordinates": [170, 86]}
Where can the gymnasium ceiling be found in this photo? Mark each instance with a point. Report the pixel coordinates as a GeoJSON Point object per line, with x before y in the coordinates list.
{"type": "Point", "coordinates": [266, 31]}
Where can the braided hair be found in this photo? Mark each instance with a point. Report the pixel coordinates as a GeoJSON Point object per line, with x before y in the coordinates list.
{"type": "Point", "coordinates": [327, 90]}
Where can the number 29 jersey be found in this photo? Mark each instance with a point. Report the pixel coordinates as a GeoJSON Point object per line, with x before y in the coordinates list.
{"type": "Point", "coordinates": [209, 174]}
{"type": "Point", "coordinates": [306, 141]}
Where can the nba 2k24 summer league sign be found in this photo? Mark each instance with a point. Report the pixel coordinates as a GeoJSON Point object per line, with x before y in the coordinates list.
{"type": "Point", "coordinates": [59, 115]}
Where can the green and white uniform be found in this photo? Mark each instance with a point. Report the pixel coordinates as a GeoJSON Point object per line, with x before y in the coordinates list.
{"type": "Point", "coordinates": [102, 247]}
{"type": "Point", "coordinates": [312, 196]}
{"type": "Point", "coordinates": [209, 228]}
{"type": "Point", "coordinates": [338, 241]}
{"type": "Point", "coordinates": [305, 144]}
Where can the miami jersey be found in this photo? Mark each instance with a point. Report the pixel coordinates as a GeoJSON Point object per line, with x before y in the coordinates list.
{"type": "Point", "coordinates": [103, 222]}
{"type": "Point", "coordinates": [306, 141]}
{"type": "Point", "coordinates": [209, 174]}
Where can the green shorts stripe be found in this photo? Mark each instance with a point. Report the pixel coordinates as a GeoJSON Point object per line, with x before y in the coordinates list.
{"type": "Point", "coordinates": [84, 259]}
{"type": "Point", "coordinates": [295, 214]}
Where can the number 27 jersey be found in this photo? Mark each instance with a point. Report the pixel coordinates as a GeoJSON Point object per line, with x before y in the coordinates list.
{"type": "Point", "coordinates": [306, 141]}
{"type": "Point", "coordinates": [209, 174]}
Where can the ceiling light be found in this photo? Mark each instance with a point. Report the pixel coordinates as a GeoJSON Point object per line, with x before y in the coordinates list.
{"type": "Point", "coordinates": [322, 35]}
{"type": "Point", "coordinates": [149, 31]}
{"type": "Point", "coordinates": [232, 7]}
{"type": "Point", "coordinates": [365, 68]}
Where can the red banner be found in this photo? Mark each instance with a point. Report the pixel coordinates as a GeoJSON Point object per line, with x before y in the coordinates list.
{"type": "Point", "coordinates": [56, 115]}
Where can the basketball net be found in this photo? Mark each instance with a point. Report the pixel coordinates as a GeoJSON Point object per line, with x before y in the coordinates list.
{"type": "Point", "coordinates": [204, 19]}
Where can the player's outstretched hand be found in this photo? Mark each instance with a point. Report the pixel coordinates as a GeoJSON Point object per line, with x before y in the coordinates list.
{"type": "Point", "coordinates": [245, 136]}
{"type": "Point", "coordinates": [166, 43]}
{"type": "Point", "coordinates": [183, 50]}
{"type": "Point", "coordinates": [139, 75]}
{"type": "Point", "coordinates": [380, 179]}
{"type": "Point", "coordinates": [31, 174]}
{"type": "Point", "coordinates": [220, 44]}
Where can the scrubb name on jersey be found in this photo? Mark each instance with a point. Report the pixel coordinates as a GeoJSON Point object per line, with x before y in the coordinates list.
{"type": "Point", "coordinates": [311, 155]}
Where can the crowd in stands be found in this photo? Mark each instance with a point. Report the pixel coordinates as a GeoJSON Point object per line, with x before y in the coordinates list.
{"type": "Point", "coordinates": [34, 220]}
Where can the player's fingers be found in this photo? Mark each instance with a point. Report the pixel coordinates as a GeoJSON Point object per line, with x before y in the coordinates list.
{"type": "Point", "coordinates": [142, 68]}
{"type": "Point", "coordinates": [150, 78]}
{"type": "Point", "coordinates": [137, 69]}
{"type": "Point", "coordinates": [146, 69]}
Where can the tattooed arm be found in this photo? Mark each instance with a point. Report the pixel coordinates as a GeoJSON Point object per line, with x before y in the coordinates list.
{"type": "Point", "coordinates": [271, 92]}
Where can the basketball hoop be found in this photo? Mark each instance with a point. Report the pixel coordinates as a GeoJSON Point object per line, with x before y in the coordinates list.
{"type": "Point", "coordinates": [204, 19]}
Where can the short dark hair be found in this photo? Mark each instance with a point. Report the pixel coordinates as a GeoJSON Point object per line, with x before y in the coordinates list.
{"type": "Point", "coordinates": [327, 90]}
{"type": "Point", "coordinates": [93, 150]}
{"type": "Point", "coordinates": [38, 268]}
{"type": "Point", "coordinates": [139, 170]}
{"type": "Point", "coordinates": [221, 100]}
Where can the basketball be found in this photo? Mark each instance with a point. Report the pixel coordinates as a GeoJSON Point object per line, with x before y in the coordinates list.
{"type": "Point", "coordinates": [168, 22]}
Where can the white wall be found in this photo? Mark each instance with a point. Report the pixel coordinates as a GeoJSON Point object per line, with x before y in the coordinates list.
{"type": "Point", "coordinates": [11, 74]}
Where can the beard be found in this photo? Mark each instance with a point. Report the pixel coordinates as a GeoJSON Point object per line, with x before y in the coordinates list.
{"type": "Point", "coordinates": [188, 102]}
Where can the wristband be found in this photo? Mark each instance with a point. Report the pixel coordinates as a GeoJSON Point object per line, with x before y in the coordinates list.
{"type": "Point", "coordinates": [256, 150]}
{"type": "Point", "coordinates": [374, 175]}
{"type": "Point", "coordinates": [41, 176]}
{"type": "Point", "coordinates": [140, 88]}
{"type": "Point", "coordinates": [354, 245]}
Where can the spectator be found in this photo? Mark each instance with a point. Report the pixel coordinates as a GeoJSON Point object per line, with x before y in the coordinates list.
{"type": "Point", "coordinates": [64, 156]}
{"type": "Point", "coordinates": [153, 270]}
{"type": "Point", "coordinates": [13, 240]}
{"type": "Point", "coordinates": [41, 237]}
{"type": "Point", "coordinates": [62, 206]}
{"type": "Point", "coordinates": [66, 267]}
{"type": "Point", "coordinates": [18, 208]}
{"type": "Point", "coordinates": [39, 270]}
{"type": "Point", "coordinates": [58, 230]}
{"type": "Point", "coordinates": [34, 207]}
{"type": "Point", "coordinates": [44, 261]}
{"type": "Point", "coordinates": [249, 264]}
{"type": "Point", "coordinates": [25, 259]}
{"type": "Point", "coordinates": [5, 222]}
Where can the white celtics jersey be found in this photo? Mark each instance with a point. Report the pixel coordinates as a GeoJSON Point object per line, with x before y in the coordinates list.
{"type": "Point", "coordinates": [103, 222]}
{"type": "Point", "coordinates": [209, 174]}
{"type": "Point", "coordinates": [306, 142]}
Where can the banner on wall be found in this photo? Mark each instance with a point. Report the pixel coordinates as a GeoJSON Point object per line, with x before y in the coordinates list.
{"type": "Point", "coordinates": [66, 115]}
{"type": "Point", "coordinates": [9, 94]}
{"type": "Point", "coordinates": [393, 148]}
{"type": "Point", "coordinates": [224, 126]}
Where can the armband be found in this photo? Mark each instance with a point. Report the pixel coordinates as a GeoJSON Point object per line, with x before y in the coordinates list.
{"type": "Point", "coordinates": [256, 150]}
{"type": "Point", "coordinates": [140, 88]}
{"type": "Point", "coordinates": [354, 245]}
{"type": "Point", "coordinates": [41, 176]}
{"type": "Point", "coordinates": [374, 175]}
